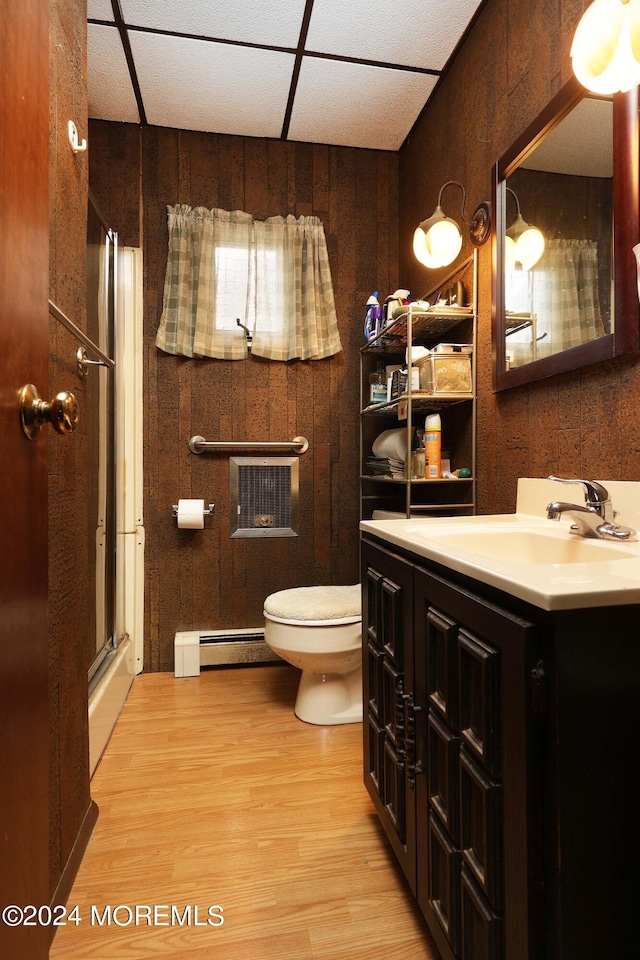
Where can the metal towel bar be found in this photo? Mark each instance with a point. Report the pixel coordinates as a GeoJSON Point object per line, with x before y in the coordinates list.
{"type": "Point", "coordinates": [200, 445]}
{"type": "Point", "coordinates": [79, 334]}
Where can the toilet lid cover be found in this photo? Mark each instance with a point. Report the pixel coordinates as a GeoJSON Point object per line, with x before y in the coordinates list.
{"type": "Point", "coordinates": [315, 603]}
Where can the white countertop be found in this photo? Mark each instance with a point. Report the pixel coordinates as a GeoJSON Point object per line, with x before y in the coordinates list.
{"type": "Point", "coordinates": [580, 572]}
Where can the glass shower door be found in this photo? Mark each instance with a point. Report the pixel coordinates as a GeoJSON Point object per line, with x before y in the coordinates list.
{"type": "Point", "coordinates": [100, 438]}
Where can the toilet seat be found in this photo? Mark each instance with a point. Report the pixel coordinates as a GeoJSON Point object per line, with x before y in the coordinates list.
{"type": "Point", "coordinates": [315, 606]}
{"type": "Point", "coordinates": [332, 622]}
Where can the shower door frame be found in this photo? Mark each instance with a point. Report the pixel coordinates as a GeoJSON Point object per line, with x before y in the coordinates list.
{"type": "Point", "coordinates": [105, 524]}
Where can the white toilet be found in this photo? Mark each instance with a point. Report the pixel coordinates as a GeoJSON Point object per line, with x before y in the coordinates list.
{"type": "Point", "coordinates": [319, 630]}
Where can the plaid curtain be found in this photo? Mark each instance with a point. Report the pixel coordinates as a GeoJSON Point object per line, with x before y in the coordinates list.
{"type": "Point", "coordinates": [274, 276]}
{"type": "Point", "coordinates": [565, 293]}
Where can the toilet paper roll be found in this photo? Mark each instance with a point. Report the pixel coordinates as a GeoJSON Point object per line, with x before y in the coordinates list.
{"type": "Point", "coordinates": [191, 514]}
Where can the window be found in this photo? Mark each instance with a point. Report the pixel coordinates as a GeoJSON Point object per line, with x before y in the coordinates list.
{"type": "Point", "coordinates": [272, 275]}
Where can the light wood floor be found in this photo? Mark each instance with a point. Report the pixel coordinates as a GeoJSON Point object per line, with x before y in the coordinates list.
{"type": "Point", "coordinates": [211, 792]}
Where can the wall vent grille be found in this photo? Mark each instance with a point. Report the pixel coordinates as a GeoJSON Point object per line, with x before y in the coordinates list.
{"type": "Point", "coordinates": [263, 496]}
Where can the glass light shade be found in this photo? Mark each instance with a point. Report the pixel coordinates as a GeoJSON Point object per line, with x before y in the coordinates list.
{"type": "Point", "coordinates": [437, 241]}
{"type": "Point", "coordinates": [509, 254]}
{"type": "Point", "coordinates": [528, 242]}
{"type": "Point", "coordinates": [604, 44]}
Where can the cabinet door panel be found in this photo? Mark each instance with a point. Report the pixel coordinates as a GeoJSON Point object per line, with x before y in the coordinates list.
{"type": "Point", "coordinates": [444, 882]}
{"type": "Point", "coordinates": [442, 675]}
{"type": "Point", "coordinates": [481, 926]}
{"type": "Point", "coordinates": [394, 789]}
{"type": "Point", "coordinates": [481, 827]}
{"type": "Point", "coordinates": [443, 773]}
{"type": "Point", "coordinates": [391, 599]}
{"type": "Point", "coordinates": [393, 704]}
{"type": "Point", "coordinates": [375, 658]}
{"type": "Point", "coordinates": [375, 756]}
{"type": "Point", "coordinates": [479, 670]}
{"type": "Point", "coordinates": [374, 579]}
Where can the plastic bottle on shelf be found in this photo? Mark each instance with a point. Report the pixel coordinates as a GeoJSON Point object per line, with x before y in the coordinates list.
{"type": "Point", "coordinates": [432, 447]}
{"type": "Point", "coordinates": [378, 385]}
{"type": "Point", "coordinates": [371, 318]}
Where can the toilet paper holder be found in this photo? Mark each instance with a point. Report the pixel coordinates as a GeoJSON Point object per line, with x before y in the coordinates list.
{"type": "Point", "coordinates": [207, 513]}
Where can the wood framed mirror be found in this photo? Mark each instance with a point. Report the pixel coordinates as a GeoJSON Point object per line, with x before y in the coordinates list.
{"type": "Point", "coordinates": [539, 327]}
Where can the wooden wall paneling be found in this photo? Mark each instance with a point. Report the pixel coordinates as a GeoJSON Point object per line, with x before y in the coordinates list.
{"type": "Point", "coordinates": [71, 617]}
{"type": "Point", "coordinates": [276, 401]}
{"type": "Point", "coordinates": [205, 484]}
{"type": "Point", "coordinates": [291, 177]}
{"type": "Point", "coordinates": [543, 423]}
{"type": "Point", "coordinates": [320, 173]}
{"type": "Point", "coordinates": [365, 216]}
{"type": "Point", "coordinates": [236, 592]}
{"type": "Point", "coordinates": [100, 173]}
{"type": "Point", "coordinates": [304, 179]}
{"type": "Point", "coordinates": [189, 545]}
{"type": "Point", "coordinates": [73, 728]}
{"type": "Point", "coordinates": [114, 176]}
{"type": "Point", "coordinates": [204, 171]}
{"type": "Point", "coordinates": [256, 189]}
{"type": "Point", "coordinates": [277, 178]}
{"type": "Point", "coordinates": [609, 432]}
{"type": "Point", "coordinates": [322, 511]}
{"type": "Point", "coordinates": [185, 142]}
{"type": "Point", "coordinates": [255, 399]}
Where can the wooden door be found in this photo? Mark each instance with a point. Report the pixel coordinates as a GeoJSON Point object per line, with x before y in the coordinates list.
{"type": "Point", "coordinates": [24, 245]}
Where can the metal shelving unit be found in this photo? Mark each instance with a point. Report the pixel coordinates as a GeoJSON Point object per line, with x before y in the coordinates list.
{"type": "Point", "coordinates": [426, 328]}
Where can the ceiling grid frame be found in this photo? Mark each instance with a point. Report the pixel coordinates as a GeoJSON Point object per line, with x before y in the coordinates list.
{"type": "Point", "coordinates": [304, 70]}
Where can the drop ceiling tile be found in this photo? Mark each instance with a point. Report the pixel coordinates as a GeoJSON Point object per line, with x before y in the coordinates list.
{"type": "Point", "coordinates": [418, 33]}
{"type": "Point", "coordinates": [199, 85]}
{"type": "Point", "coordinates": [100, 10]}
{"type": "Point", "coordinates": [356, 105]}
{"type": "Point", "coordinates": [109, 89]}
{"type": "Point", "coordinates": [276, 23]}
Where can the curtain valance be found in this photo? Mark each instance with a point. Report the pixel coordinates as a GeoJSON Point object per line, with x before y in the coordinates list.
{"type": "Point", "coordinates": [273, 275]}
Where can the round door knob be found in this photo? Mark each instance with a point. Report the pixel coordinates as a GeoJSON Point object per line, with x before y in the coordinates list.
{"type": "Point", "coordinates": [61, 411]}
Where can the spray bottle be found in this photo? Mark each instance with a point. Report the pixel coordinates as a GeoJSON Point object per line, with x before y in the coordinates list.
{"type": "Point", "coordinates": [371, 318]}
{"type": "Point", "coordinates": [432, 447]}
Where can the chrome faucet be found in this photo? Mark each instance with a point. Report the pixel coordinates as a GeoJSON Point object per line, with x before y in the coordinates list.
{"type": "Point", "coordinates": [593, 519]}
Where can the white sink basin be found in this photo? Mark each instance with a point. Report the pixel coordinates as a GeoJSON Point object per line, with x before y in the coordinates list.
{"type": "Point", "coordinates": [526, 555]}
{"type": "Point", "coordinates": [528, 546]}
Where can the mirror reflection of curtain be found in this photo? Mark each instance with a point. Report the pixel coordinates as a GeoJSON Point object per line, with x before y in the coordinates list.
{"type": "Point", "coordinates": [562, 292]}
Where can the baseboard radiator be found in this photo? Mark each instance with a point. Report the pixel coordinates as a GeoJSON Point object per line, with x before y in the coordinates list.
{"type": "Point", "coordinates": [217, 648]}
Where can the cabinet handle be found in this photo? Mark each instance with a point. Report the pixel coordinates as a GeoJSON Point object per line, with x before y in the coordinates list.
{"type": "Point", "coordinates": [538, 690]}
{"type": "Point", "coordinates": [414, 766]}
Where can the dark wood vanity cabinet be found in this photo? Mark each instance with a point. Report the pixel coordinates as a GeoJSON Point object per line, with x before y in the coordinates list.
{"type": "Point", "coordinates": [498, 745]}
{"type": "Point", "coordinates": [389, 718]}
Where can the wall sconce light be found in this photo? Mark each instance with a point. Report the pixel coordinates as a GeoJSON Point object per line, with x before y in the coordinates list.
{"type": "Point", "coordinates": [524, 243]}
{"type": "Point", "coordinates": [605, 52]}
{"type": "Point", "coordinates": [438, 240]}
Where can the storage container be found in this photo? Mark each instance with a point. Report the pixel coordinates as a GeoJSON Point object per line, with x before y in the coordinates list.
{"type": "Point", "coordinates": [443, 374]}
{"type": "Point", "coordinates": [452, 348]}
